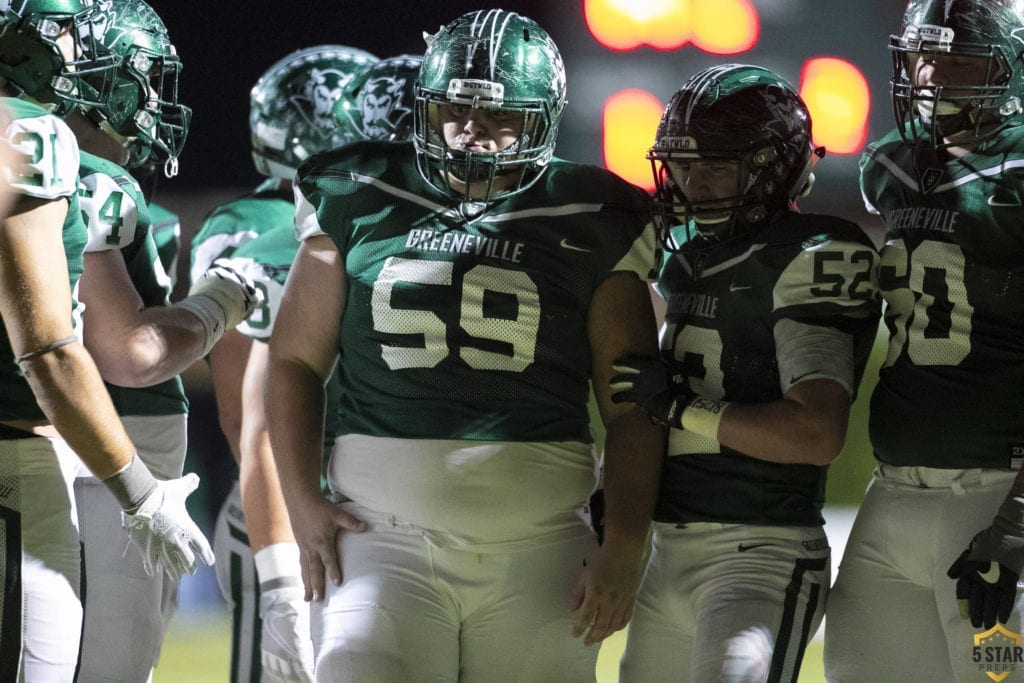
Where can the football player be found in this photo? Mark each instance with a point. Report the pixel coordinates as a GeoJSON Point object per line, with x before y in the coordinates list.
{"type": "Point", "coordinates": [942, 522]}
{"type": "Point", "coordinates": [52, 389]}
{"type": "Point", "coordinates": [139, 342]}
{"type": "Point", "coordinates": [469, 286]}
{"type": "Point", "coordinates": [770, 317]}
{"type": "Point", "coordinates": [291, 118]}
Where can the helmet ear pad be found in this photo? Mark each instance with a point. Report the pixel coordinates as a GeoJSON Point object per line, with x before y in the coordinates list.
{"type": "Point", "coordinates": [476, 61]}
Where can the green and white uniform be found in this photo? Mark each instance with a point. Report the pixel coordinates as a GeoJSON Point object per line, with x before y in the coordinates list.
{"type": "Point", "coordinates": [746, 320]}
{"type": "Point", "coordinates": [946, 416]}
{"type": "Point", "coordinates": [40, 625]}
{"type": "Point", "coordinates": [166, 229]}
{"type": "Point", "coordinates": [741, 319]}
{"type": "Point", "coordinates": [266, 261]}
{"type": "Point", "coordinates": [46, 145]}
{"type": "Point", "coordinates": [465, 367]}
{"type": "Point", "coordinates": [124, 605]}
{"type": "Point", "coordinates": [227, 229]}
{"type": "Point", "coordinates": [231, 225]}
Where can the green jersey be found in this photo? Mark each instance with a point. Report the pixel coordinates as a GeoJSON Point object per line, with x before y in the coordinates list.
{"type": "Point", "coordinates": [745, 319]}
{"type": "Point", "coordinates": [48, 169]}
{"type": "Point", "coordinates": [266, 260]}
{"type": "Point", "coordinates": [231, 225]}
{"type": "Point", "coordinates": [165, 227]}
{"type": "Point", "coordinates": [951, 390]}
{"type": "Point", "coordinates": [117, 217]}
{"type": "Point", "coordinates": [459, 328]}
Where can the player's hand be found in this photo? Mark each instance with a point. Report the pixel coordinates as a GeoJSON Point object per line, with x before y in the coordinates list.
{"type": "Point", "coordinates": [653, 385]}
{"type": "Point", "coordinates": [286, 646]}
{"type": "Point", "coordinates": [986, 588]}
{"type": "Point", "coordinates": [231, 289]}
{"type": "Point", "coordinates": [987, 572]}
{"type": "Point", "coordinates": [316, 523]}
{"type": "Point", "coordinates": [605, 594]}
{"type": "Point", "coordinates": [163, 531]}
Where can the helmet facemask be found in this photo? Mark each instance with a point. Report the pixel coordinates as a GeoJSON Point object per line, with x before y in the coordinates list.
{"type": "Point", "coordinates": [729, 213]}
{"type": "Point", "coordinates": [489, 61]}
{"type": "Point", "coordinates": [49, 55]}
{"type": "Point", "coordinates": [144, 112]}
{"type": "Point", "coordinates": [744, 124]}
{"type": "Point", "coordinates": [976, 57]}
{"type": "Point", "coordinates": [141, 110]}
{"type": "Point", "coordinates": [481, 176]}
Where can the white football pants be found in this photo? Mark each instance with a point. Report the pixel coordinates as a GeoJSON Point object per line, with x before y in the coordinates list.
{"type": "Point", "coordinates": [893, 614]}
{"type": "Point", "coordinates": [727, 602]}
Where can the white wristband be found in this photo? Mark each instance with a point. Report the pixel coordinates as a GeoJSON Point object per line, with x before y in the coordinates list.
{"type": "Point", "coordinates": [211, 316]}
{"type": "Point", "coordinates": [277, 561]}
{"type": "Point", "coordinates": [703, 415]}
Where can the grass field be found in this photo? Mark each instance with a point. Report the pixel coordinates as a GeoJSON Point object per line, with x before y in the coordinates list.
{"type": "Point", "coordinates": [197, 651]}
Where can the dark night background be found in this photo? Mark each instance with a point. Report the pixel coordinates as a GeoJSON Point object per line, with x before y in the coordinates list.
{"type": "Point", "coordinates": [226, 46]}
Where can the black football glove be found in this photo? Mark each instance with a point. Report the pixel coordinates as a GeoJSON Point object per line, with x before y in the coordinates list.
{"type": "Point", "coordinates": [654, 385]}
{"type": "Point", "coordinates": [987, 572]}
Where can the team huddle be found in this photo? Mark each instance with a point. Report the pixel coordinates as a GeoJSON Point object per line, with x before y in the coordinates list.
{"type": "Point", "coordinates": [413, 322]}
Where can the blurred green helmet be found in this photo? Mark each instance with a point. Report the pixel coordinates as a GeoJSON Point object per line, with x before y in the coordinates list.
{"type": "Point", "coordinates": [490, 59]}
{"type": "Point", "coordinates": [142, 111]}
{"type": "Point", "coordinates": [291, 107]}
{"type": "Point", "coordinates": [377, 102]}
{"type": "Point", "coordinates": [32, 64]}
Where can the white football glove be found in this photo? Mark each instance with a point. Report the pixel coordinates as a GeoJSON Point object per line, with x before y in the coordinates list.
{"type": "Point", "coordinates": [163, 531]}
{"type": "Point", "coordinates": [287, 648]}
{"type": "Point", "coordinates": [221, 298]}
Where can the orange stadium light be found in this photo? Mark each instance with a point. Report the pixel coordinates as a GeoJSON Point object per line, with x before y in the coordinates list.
{"type": "Point", "coordinates": [630, 120]}
{"type": "Point", "coordinates": [717, 26]}
{"type": "Point", "coordinates": [837, 96]}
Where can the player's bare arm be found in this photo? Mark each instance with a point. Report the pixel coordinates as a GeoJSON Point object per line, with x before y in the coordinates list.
{"type": "Point", "coordinates": [621, 321]}
{"type": "Point", "coordinates": [36, 309]}
{"type": "Point", "coordinates": [303, 351]}
{"type": "Point", "coordinates": [133, 346]}
{"type": "Point", "coordinates": [807, 426]}
{"type": "Point", "coordinates": [228, 361]}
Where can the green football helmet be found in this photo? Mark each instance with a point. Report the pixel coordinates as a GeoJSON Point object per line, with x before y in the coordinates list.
{"type": "Point", "coordinates": [291, 112]}
{"type": "Point", "coordinates": [142, 111]}
{"type": "Point", "coordinates": [991, 31]}
{"type": "Point", "coordinates": [490, 59]}
{"type": "Point", "coordinates": [377, 102]}
{"type": "Point", "coordinates": [32, 63]}
{"type": "Point", "coordinates": [732, 113]}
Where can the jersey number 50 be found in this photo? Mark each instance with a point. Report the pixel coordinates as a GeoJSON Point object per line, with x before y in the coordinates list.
{"type": "Point", "coordinates": [928, 311]}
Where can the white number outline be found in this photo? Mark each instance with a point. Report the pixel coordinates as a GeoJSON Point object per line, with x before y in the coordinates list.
{"type": "Point", "coordinates": [520, 333]}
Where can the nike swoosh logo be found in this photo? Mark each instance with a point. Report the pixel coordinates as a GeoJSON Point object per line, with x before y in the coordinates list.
{"type": "Point", "coordinates": [992, 575]}
{"type": "Point", "coordinates": [734, 288]}
{"type": "Point", "coordinates": [743, 547]}
{"type": "Point", "coordinates": [992, 201]}
{"type": "Point", "coordinates": [797, 378]}
{"type": "Point", "coordinates": [565, 245]}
